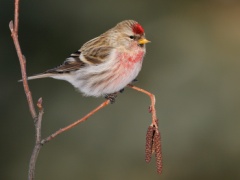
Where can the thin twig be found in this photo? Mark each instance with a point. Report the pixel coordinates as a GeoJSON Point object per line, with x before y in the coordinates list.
{"type": "Point", "coordinates": [37, 118]}
{"type": "Point", "coordinates": [22, 62]}
{"type": "Point", "coordinates": [105, 103]}
{"type": "Point", "coordinates": [16, 16]}
{"type": "Point", "coordinates": [38, 145]}
{"type": "Point", "coordinates": [153, 101]}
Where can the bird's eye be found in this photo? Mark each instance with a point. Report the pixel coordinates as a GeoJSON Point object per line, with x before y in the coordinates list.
{"type": "Point", "coordinates": [131, 37]}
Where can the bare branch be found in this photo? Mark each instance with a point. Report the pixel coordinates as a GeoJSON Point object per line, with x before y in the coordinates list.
{"type": "Point", "coordinates": [13, 26]}
{"type": "Point", "coordinates": [14, 33]}
{"type": "Point", "coordinates": [38, 145]}
{"type": "Point", "coordinates": [105, 103]}
{"type": "Point", "coordinates": [152, 109]}
{"type": "Point", "coordinates": [16, 16]}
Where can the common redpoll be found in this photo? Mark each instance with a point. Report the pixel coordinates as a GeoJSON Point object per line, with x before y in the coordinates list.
{"type": "Point", "coordinates": [105, 64]}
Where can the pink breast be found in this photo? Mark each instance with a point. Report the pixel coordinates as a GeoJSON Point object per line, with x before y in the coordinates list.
{"type": "Point", "coordinates": [128, 61]}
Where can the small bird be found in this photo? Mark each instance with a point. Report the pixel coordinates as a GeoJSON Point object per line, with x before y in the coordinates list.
{"type": "Point", "coordinates": [106, 64]}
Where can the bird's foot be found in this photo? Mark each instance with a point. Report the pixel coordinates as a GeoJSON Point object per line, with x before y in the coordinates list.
{"type": "Point", "coordinates": [111, 97]}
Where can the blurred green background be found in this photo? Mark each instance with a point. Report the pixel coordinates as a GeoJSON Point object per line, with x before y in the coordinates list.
{"type": "Point", "coordinates": [192, 66]}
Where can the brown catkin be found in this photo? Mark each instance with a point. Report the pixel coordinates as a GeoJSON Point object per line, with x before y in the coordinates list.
{"type": "Point", "coordinates": [158, 151]}
{"type": "Point", "coordinates": [149, 143]}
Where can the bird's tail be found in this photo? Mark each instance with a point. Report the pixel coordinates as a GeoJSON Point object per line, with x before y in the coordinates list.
{"type": "Point", "coordinates": [38, 76]}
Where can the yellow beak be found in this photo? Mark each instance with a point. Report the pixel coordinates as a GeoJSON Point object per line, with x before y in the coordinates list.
{"type": "Point", "coordinates": [143, 41]}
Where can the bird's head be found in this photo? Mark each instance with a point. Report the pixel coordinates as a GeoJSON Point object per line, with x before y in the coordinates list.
{"type": "Point", "coordinates": [128, 34]}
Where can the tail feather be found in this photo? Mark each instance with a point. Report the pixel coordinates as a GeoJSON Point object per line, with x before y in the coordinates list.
{"type": "Point", "coordinates": [38, 76]}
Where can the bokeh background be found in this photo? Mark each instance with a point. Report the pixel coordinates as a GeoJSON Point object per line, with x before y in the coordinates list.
{"type": "Point", "coordinates": [192, 66]}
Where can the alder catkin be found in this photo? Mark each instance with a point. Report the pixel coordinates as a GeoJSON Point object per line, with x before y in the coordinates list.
{"type": "Point", "coordinates": [149, 143]}
{"type": "Point", "coordinates": [158, 151]}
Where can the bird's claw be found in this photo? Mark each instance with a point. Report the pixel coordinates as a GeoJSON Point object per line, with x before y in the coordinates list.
{"type": "Point", "coordinates": [111, 97]}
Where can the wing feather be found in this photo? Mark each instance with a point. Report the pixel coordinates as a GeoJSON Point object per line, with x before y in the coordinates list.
{"type": "Point", "coordinates": [92, 52]}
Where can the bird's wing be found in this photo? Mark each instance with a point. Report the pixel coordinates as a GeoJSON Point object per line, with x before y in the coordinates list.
{"type": "Point", "coordinates": [96, 55]}
{"type": "Point", "coordinates": [92, 52]}
{"type": "Point", "coordinates": [72, 63]}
